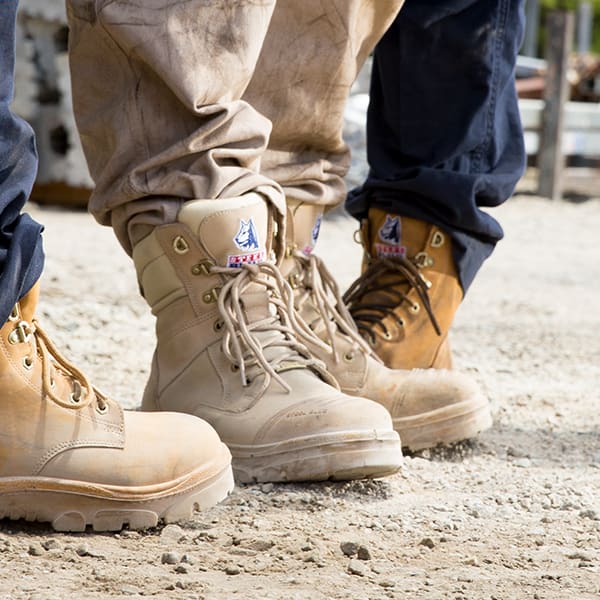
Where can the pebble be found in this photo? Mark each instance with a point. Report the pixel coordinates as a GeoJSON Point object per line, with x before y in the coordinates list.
{"type": "Point", "coordinates": [363, 553]}
{"type": "Point", "coordinates": [181, 569]}
{"type": "Point", "coordinates": [349, 548]}
{"type": "Point", "coordinates": [427, 542]}
{"type": "Point", "coordinates": [232, 570]}
{"type": "Point", "coordinates": [50, 545]}
{"type": "Point", "coordinates": [35, 550]}
{"type": "Point", "coordinates": [170, 558]}
{"type": "Point", "coordinates": [130, 590]}
{"type": "Point", "coordinates": [590, 513]}
{"type": "Point", "coordinates": [172, 533]}
{"type": "Point", "coordinates": [524, 463]}
{"type": "Point", "coordinates": [356, 567]}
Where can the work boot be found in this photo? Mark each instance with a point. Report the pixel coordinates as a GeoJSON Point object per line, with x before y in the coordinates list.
{"type": "Point", "coordinates": [428, 407]}
{"type": "Point", "coordinates": [404, 301]}
{"type": "Point", "coordinates": [226, 351]}
{"type": "Point", "coordinates": [73, 457]}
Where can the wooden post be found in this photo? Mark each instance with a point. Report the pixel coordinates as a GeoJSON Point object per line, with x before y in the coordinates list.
{"type": "Point", "coordinates": [559, 35]}
{"type": "Point", "coordinates": [532, 26]}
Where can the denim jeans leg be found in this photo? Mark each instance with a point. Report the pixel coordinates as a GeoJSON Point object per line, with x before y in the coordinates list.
{"type": "Point", "coordinates": [444, 135]}
{"type": "Point", "coordinates": [21, 253]}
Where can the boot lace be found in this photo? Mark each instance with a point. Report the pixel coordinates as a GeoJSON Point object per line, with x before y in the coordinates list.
{"type": "Point", "coordinates": [316, 285]}
{"type": "Point", "coordinates": [51, 359]}
{"type": "Point", "coordinates": [381, 289]}
{"type": "Point", "coordinates": [269, 344]}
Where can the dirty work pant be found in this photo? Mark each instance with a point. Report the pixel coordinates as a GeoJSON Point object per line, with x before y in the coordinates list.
{"type": "Point", "coordinates": [177, 100]}
{"type": "Point", "coordinates": [21, 254]}
{"type": "Point", "coordinates": [444, 136]}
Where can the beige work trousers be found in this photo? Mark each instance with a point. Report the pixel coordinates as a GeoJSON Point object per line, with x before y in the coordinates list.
{"type": "Point", "coordinates": [200, 99]}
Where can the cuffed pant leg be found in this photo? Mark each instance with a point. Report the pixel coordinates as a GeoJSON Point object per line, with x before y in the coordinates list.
{"type": "Point", "coordinates": [21, 253]}
{"type": "Point", "coordinates": [157, 90]}
{"type": "Point", "coordinates": [311, 56]}
{"type": "Point", "coordinates": [444, 137]}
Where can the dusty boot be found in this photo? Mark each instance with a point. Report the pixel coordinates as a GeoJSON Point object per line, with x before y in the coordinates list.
{"type": "Point", "coordinates": [428, 407]}
{"type": "Point", "coordinates": [227, 352]}
{"type": "Point", "coordinates": [71, 456]}
{"type": "Point", "coordinates": [404, 302]}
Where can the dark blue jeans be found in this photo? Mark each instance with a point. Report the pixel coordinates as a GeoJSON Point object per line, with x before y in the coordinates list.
{"type": "Point", "coordinates": [444, 135]}
{"type": "Point", "coordinates": [21, 254]}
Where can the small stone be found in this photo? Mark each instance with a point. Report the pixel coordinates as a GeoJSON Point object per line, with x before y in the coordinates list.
{"type": "Point", "coordinates": [50, 545]}
{"type": "Point", "coordinates": [232, 570]}
{"type": "Point", "coordinates": [172, 533]}
{"type": "Point", "coordinates": [130, 590]}
{"type": "Point", "coordinates": [349, 548]}
{"type": "Point", "coordinates": [170, 558]}
{"type": "Point", "coordinates": [356, 567]}
{"type": "Point", "coordinates": [590, 513]}
{"type": "Point", "coordinates": [266, 488]}
{"type": "Point", "coordinates": [386, 583]}
{"type": "Point", "coordinates": [181, 569]}
{"type": "Point", "coordinates": [427, 542]}
{"type": "Point", "coordinates": [82, 550]}
{"type": "Point", "coordinates": [524, 463]}
{"type": "Point", "coordinates": [35, 550]}
{"type": "Point", "coordinates": [363, 553]}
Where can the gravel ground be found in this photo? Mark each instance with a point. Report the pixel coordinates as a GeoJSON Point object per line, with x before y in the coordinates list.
{"type": "Point", "coordinates": [515, 514]}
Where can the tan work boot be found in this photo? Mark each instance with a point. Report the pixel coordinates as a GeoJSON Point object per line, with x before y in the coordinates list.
{"type": "Point", "coordinates": [404, 301]}
{"type": "Point", "coordinates": [71, 456]}
{"type": "Point", "coordinates": [428, 407]}
{"type": "Point", "coordinates": [226, 351]}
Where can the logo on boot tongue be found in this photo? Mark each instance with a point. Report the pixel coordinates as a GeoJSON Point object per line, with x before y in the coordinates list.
{"type": "Point", "coordinates": [391, 234]}
{"type": "Point", "coordinates": [246, 239]}
{"type": "Point", "coordinates": [314, 235]}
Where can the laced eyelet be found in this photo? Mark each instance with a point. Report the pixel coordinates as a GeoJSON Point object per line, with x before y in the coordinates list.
{"type": "Point", "coordinates": [211, 296]}
{"type": "Point", "coordinates": [52, 383]}
{"type": "Point", "coordinates": [75, 399]}
{"type": "Point", "coordinates": [20, 334]}
{"type": "Point", "coordinates": [102, 409]}
{"type": "Point", "coordinates": [14, 314]}
{"type": "Point", "coordinates": [180, 246]}
{"type": "Point", "coordinates": [438, 239]}
{"type": "Point", "coordinates": [202, 268]}
{"type": "Point", "coordinates": [235, 368]}
{"type": "Point", "coordinates": [386, 335]}
{"type": "Point", "coordinates": [349, 356]}
{"type": "Point", "coordinates": [28, 362]}
{"type": "Point", "coordinates": [218, 325]}
{"type": "Point", "coordinates": [415, 308]}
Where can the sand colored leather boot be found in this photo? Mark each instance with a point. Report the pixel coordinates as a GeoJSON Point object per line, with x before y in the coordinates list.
{"type": "Point", "coordinates": [226, 351]}
{"type": "Point", "coordinates": [427, 406]}
{"type": "Point", "coordinates": [73, 457]}
{"type": "Point", "coordinates": [404, 301]}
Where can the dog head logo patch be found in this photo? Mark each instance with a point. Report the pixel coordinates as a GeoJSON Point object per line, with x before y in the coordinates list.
{"type": "Point", "coordinates": [246, 239]}
{"type": "Point", "coordinates": [390, 233]}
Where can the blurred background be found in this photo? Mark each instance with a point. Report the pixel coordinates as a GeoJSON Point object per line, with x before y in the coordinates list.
{"type": "Point", "coordinates": [558, 80]}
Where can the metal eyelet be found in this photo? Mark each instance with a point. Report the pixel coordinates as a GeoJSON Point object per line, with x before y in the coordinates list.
{"type": "Point", "coordinates": [202, 268]}
{"type": "Point", "coordinates": [423, 260]}
{"type": "Point", "coordinates": [387, 335]}
{"type": "Point", "coordinates": [75, 399]}
{"type": "Point", "coordinates": [438, 239]}
{"type": "Point", "coordinates": [235, 368]}
{"type": "Point", "coordinates": [102, 410]}
{"type": "Point", "coordinates": [211, 296]}
{"type": "Point", "coordinates": [14, 313]}
{"type": "Point", "coordinates": [20, 334]}
{"type": "Point", "coordinates": [28, 362]}
{"type": "Point", "coordinates": [180, 245]}
{"type": "Point", "coordinates": [415, 308]}
{"type": "Point", "coordinates": [218, 325]}
{"type": "Point", "coordinates": [349, 356]}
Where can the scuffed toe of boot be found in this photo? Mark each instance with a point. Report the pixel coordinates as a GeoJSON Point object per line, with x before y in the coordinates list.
{"type": "Point", "coordinates": [437, 406]}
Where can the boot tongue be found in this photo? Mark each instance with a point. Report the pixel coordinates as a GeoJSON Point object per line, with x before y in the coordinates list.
{"type": "Point", "coordinates": [303, 226]}
{"type": "Point", "coordinates": [391, 235]}
{"type": "Point", "coordinates": [232, 231]}
{"type": "Point", "coordinates": [28, 303]}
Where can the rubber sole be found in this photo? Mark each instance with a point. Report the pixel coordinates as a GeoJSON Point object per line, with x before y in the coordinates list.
{"type": "Point", "coordinates": [340, 456]}
{"type": "Point", "coordinates": [455, 423]}
{"type": "Point", "coordinates": [73, 506]}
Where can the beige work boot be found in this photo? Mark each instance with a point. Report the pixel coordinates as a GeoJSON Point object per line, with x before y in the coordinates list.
{"type": "Point", "coordinates": [226, 351]}
{"type": "Point", "coordinates": [404, 301]}
{"type": "Point", "coordinates": [73, 457]}
{"type": "Point", "coordinates": [428, 407]}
